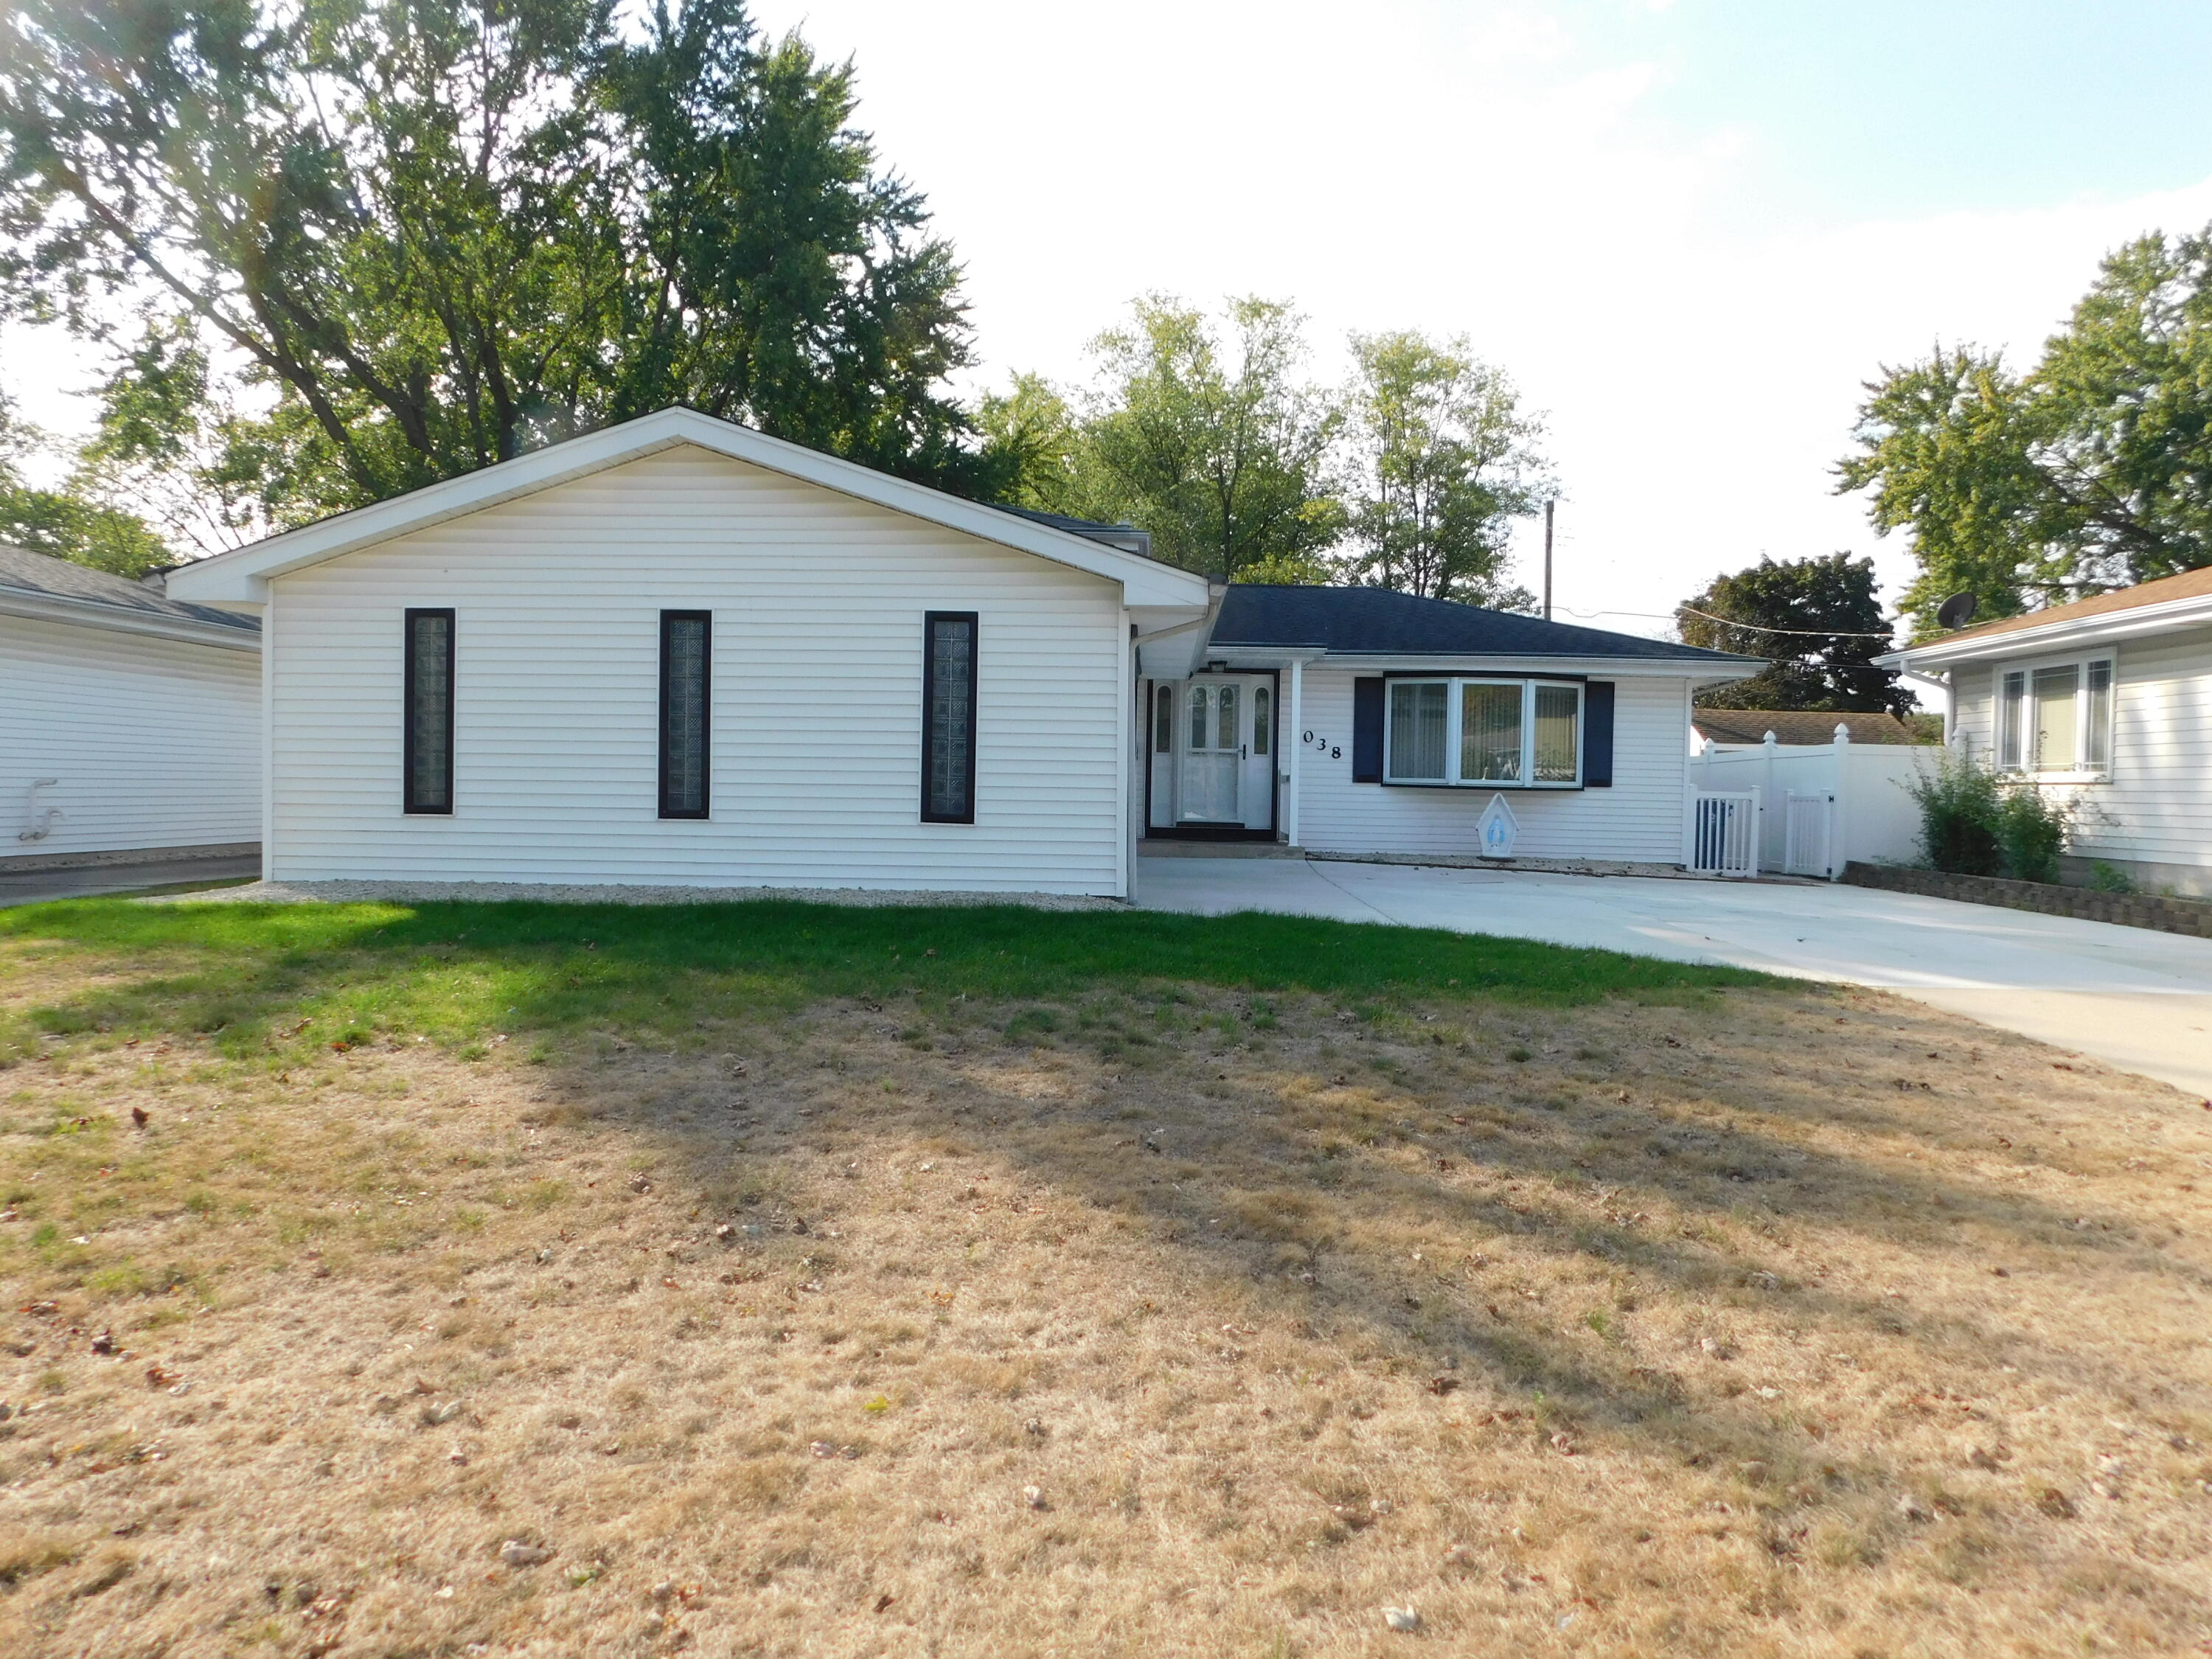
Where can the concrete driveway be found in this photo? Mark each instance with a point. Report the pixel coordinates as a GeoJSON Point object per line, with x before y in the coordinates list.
{"type": "Point", "coordinates": [87, 881]}
{"type": "Point", "coordinates": [2134, 998]}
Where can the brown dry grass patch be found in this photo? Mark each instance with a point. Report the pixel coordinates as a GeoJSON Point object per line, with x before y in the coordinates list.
{"type": "Point", "coordinates": [1130, 1326]}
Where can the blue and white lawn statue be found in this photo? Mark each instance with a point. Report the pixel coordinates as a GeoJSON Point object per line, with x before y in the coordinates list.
{"type": "Point", "coordinates": [1496, 831]}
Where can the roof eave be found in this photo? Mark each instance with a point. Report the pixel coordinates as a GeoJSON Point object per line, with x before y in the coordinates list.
{"type": "Point", "coordinates": [2110, 625]}
{"type": "Point", "coordinates": [121, 619]}
{"type": "Point", "coordinates": [242, 575]}
{"type": "Point", "coordinates": [1711, 669]}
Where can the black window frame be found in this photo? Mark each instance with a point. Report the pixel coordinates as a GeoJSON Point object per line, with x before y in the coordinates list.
{"type": "Point", "coordinates": [413, 614]}
{"type": "Point", "coordinates": [705, 809]}
{"type": "Point", "coordinates": [929, 624]}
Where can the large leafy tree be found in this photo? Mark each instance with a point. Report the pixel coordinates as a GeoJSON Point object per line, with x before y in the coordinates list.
{"type": "Point", "coordinates": [1205, 432]}
{"type": "Point", "coordinates": [69, 519]}
{"type": "Point", "coordinates": [2091, 470]}
{"type": "Point", "coordinates": [1443, 462]}
{"type": "Point", "coordinates": [1820, 624]}
{"type": "Point", "coordinates": [394, 240]}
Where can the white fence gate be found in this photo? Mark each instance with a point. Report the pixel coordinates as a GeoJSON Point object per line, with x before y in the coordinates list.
{"type": "Point", "coordinates": [1809, 839]}
{"type": "Point", "coordinates": [1724, 833]}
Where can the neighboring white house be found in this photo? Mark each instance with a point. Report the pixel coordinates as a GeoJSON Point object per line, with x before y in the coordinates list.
{"type": "Point", "coordinates": [129, 722]}
{"type": "Point", "coordinates": [2107, 701]}
{"type": "Point", "coordinates": [677, 651]}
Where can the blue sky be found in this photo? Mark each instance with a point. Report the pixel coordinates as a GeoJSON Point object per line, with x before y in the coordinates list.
{"type": "Point", "coordinates": [1887, 107]}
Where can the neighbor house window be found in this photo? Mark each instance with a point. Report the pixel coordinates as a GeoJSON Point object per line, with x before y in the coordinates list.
{"type": "Point", "coordinates": [686, 691]}
{"type": "Point", "coordinates": [948, 726]}
{"type": "Point", "coordinates": [2055, 719]}
{"type": "Point", "coordinates": [1493, 734]}
{"type": "Point", "coordinates": [428, 745]}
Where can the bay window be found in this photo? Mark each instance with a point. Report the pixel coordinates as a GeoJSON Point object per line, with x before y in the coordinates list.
{"type": "Point", "coordinates": [2056, 717]}
{"type": "Point", "coordinates": [1485, 733]}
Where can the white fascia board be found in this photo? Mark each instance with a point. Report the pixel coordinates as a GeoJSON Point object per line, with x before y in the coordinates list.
{"type": "Point", "coordinates": [241, 576]}
{"type": "Point", "coordinates": [2173, 617]}
{"type": "Point", "coordinates": [116, 619]}
{"type": "Point", "coordinates": [1669, 668]}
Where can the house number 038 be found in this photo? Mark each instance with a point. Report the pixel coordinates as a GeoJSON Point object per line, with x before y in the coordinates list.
{"type": "Point", "coordinates": [1323, 745]}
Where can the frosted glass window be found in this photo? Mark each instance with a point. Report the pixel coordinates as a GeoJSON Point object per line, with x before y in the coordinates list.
{"type": "Point", "coordinates": [1260, 736]}
{"type": "Point", "coordinates": [1225, 714]}
{"type": "Point", "coordinates": [1201, 699]}
{"type": "Point", "coordinates": [948, 732]}
{"type": "Point", "coordinates": [429, 716]}
{"type": "Point", "coordinates": [684, 692]}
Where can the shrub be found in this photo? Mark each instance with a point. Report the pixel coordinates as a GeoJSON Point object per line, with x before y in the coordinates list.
{"type": "Point", "coordinates": [2031, 832]}
{"type": "Point", "coordinates": [1958, 806]}
{"type": "Point", "coordinates": [2111, 879]}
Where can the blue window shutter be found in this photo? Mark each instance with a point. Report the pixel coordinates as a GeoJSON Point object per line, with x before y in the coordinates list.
{"type": "Point", "coordinates": [1597, 735]}
{"type": "Point", "coordinates": [1367, 729]}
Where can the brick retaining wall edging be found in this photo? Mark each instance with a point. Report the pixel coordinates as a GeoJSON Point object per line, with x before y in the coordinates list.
{"type": "Point", "coordinates": [2167, 915]}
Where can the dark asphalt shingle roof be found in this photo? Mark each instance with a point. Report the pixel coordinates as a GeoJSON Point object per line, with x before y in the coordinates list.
{"type": "Point", "coordinates": [38, 573]}
{"type": "Point", "coordinates": [1794, 726]}
{"type": "Point", "coordinates": [1377, 622]}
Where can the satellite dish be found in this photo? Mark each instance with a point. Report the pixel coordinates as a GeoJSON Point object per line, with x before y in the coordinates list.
{"type": "Point", "coordinates": [1956, 611]}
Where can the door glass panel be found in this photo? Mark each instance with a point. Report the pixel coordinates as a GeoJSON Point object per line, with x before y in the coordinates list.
{"type": "Point", "coordinates": [1226, 699]}
{"type": "Point", "coordinates": [1163, 721]}
{"type": "Point", "coordinates": [1418, 709]}
{"type": "Point", "coordinates": [2056, 719]}
{"type": "Point", "coordinates": [1557, 743]}
{"type": "Point", "coordinates": [1198, 701]}
{"type": "Point", "coordinates": [1490, 733]}
{"type": "Point", "coordinates": [1260, 700]}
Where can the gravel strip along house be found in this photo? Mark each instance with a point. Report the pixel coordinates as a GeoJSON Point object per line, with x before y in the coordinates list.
{"type": "Point", "coordinates": [677, 652]}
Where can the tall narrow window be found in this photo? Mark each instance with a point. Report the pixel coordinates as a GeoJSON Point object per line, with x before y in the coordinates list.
{"type": "Point", "coordinates": [2097, 731]}
{"type": "Point", "coordinates": [686, 694]}
{"type": "Point", "coordinates": [1261, 735]}
{"type": "Point", "coordinates": [1164, 720]}
{"type": "Point", "coordinates": [1558, 737]}
{"type": "Point", "coordinates": [948, 726]}
{"type": "Point", "coordinates": [2012, 708]}
{"type": "Point", "coordinates": [427, 761]}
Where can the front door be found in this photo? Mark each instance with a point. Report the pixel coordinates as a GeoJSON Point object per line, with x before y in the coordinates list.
{"type": "Point", "coordinates": [1213, 753]}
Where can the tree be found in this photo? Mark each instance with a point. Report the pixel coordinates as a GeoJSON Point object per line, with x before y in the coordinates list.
{"type": "Point", "coordinates": [1445, 461]}
{"type": "Point", "coordinates": [68, 522]}
{"type": "Point", "coordinates": [409, 240]}
{"type": "Point", "coordinates": [2090, 471]}
{"type": "Point", "coordinates": [1818, 621]}
{"type": "Point", "coordinates": [1222, 453]}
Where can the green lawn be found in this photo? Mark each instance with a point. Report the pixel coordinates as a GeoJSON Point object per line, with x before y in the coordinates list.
{"type": "Point", "coordinates": [250, 973]}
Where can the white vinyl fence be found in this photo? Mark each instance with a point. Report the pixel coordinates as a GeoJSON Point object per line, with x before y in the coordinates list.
{"type": "Point", "coordinates": [1817, 806]}
{"type": "Point", "coordinates": [1724, 833]}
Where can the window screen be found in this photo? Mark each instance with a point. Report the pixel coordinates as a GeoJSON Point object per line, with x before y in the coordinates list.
{"type": "Point", "coordinates": [686, 692]}
{"type": "Point", "coordinates": [429, 713]}
{"type": "Point", "coordinates": [948, 732]}
{"type": "Point", "coordinates": [2058, 735]}
{"type": "Point", "coordinates": [1419, 715]}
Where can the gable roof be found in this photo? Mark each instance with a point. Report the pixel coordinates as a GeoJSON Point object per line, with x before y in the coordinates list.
{"type": "Point", "coordinates": [38, 585]}
{"type": "Point", "coordinates": [2171, 602]}
{"type": "Point", "coordinates": [241, 576]}
{"type": "Point", "coordinates": [1352, 621]}
{"type": "Point", "coordinates": [1797, 725]}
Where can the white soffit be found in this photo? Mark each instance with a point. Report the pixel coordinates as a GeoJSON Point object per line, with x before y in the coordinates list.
{"type": "Point", "coordinates": [240, 577]}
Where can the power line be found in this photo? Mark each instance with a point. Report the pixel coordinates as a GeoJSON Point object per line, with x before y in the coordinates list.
{"type": "Point", "coordinates": [1730, 622]}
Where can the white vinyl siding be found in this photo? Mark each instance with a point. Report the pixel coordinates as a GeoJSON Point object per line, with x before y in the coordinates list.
{"type": "Point", "coordinates": [818, 602]}
{"type": "Point", "coordinates": [1638, 819]}
{"type": "Point", "coordinates": [2156, 807]}
{"type": "Point", "coordinates": [155, 742]}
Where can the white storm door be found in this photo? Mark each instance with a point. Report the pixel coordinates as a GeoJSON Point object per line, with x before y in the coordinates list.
{"type": "Point", "coordinates": [1212, 753]}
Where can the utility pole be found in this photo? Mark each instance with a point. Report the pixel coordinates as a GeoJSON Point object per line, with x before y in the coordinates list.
{"type": "Point", "coordinates": [1547, 559]}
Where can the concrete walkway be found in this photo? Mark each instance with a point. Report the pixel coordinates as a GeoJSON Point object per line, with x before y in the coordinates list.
{"type": "Point", "coordinates": [2134, 998]}
{"type": "Point", "coordinates": [34, 886]}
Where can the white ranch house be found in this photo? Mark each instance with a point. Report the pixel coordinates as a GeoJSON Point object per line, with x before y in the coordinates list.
{"type": "Point", "coordinates": [679, 652]}
{"type": "Point", "coordinates": [2106, 701]}
{"type": "Point", "coordinates": [129, 723]}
